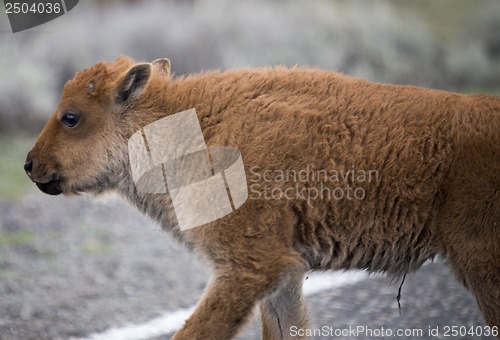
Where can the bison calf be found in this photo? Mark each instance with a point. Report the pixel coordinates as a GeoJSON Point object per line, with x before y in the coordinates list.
{"type": "Point", "coordinates": [341, 173]}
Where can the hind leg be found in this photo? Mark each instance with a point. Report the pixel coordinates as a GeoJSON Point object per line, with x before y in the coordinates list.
{"type": "Point", "coordinates": [284, 309]}
{"type": "Point", "coordinates": [487, 293]}
{"type": "Point", "coordinates": [469, 232]}
{"type": "Point", "coordinates": [480, 273]}
{"type": "Point", "coordinates": [476, 263]}
{"type": "Point", "coordinates": [475, 259]}
{"type": "Point", "coordinates": [484, 283]}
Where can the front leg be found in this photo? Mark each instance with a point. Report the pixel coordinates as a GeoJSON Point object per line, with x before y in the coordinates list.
{"type": "Point", "coordinates": [229, 299]}
{"type": "Point", "coordinates": [283, 309]}
{"type": "Point", "coordinates": [224, 307]}
{"type": "Point", "coordinates": [252, 261]}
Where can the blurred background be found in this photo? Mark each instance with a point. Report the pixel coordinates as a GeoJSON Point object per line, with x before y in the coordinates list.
{"type": "Point", "coordinates": [72, 267]}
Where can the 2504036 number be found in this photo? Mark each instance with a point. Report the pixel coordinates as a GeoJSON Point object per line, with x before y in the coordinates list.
{"type": "Point", "coordinates": [25, 8]}
{"type": "Point", "coordinates": [474, 331]}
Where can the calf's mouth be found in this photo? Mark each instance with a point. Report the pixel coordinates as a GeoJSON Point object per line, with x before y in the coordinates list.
{"type": "Point", "coordinates": [48, 184]}
{"type": "Point", "coordinates": [53, 187]}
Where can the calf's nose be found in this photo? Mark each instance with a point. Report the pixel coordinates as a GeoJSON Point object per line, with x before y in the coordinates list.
{"type": "Point", "coordinates": [28, 166]}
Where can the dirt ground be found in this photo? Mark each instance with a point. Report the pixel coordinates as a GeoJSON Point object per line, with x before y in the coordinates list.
{"type": "Point", "coordinates": [73, 267]}
{"type": "Point", "coordinates": [69, 267]}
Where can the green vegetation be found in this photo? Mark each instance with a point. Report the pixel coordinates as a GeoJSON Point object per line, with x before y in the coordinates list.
{"type": "Point", "coordinates": [13, 181]}
{"type": "Point", "coordinates": [486, 90]}
{"type": "Point", "coordinates": [94, 241]}
{"type": "Point", "coordinates": [21, 237]}
{"type": "Point", "coordinates": [96, 246]}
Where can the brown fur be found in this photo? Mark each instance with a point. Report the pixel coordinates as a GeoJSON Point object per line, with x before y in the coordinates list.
{"type": "Point", "coordinates": [437, 192]}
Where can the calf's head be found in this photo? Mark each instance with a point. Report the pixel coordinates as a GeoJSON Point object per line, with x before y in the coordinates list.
{"type": "Point", "coordinates": [82, 148]}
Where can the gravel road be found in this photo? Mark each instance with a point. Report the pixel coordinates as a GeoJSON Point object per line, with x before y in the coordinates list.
{"type": "Point", "coordinates": [73, 267]}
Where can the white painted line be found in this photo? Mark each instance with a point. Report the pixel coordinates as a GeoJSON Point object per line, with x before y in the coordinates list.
{"type": "Point", "coordinates": [64, 6]}
{"type": "Point", "coordinates": [167, 323]}
{"type": "Point", "coordinates": [170, 322]}
{"type": "Point", "coordinates": [320, 282]}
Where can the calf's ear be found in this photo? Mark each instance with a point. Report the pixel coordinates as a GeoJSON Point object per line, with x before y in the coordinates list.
{"type": "Point", "coordinates": [134, 81]}
{"type": "Point", "coordinates": [162, 65]}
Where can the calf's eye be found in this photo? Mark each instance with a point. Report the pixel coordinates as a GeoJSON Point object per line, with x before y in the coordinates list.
{"type": "Point", "coordinates": [70, 119]}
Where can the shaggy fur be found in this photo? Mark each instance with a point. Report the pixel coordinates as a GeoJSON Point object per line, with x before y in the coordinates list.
{"type": "Point", "coordinates": [436, 192]}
